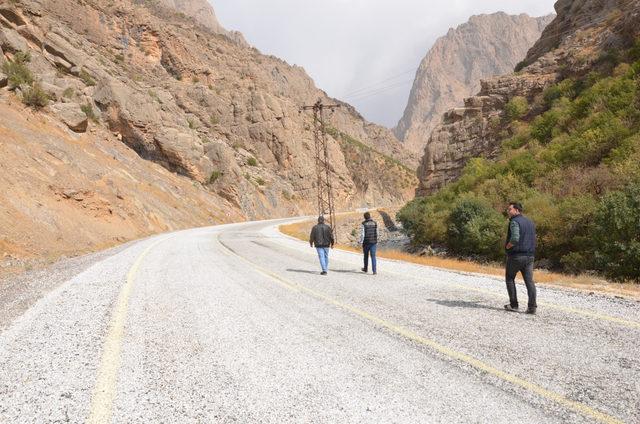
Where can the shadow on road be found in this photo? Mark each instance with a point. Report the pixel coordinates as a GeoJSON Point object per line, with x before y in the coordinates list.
{"type": "Point", "coordinates": [306, 271]}
{"type": "Point", "coordinates": [462, 304]}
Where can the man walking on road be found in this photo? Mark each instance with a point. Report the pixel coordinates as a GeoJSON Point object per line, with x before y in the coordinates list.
{"type": "Point", "coordinates": [369, 241]}
{"type": "Point", "coordinates": [521, 249]}
{"type": "Point", "coordinates": [322, 237]}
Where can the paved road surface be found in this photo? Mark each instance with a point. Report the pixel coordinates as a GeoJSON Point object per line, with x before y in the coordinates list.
{"type": "Point", "coordinates": [234, 324]}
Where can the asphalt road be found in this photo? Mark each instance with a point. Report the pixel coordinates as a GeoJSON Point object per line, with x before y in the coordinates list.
{"type": "Point", "coordinates": [234, 324]}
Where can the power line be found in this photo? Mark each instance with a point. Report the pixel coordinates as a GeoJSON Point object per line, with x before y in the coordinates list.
{"type": "Point", "coordinates": [365, 95]}
{"type": "Point", "coordinates": [381, 82]}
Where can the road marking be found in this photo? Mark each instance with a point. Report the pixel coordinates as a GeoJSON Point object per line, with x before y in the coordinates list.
{"type": "Point", "coordinates": [104, 390]}
{"type": "Point", "coordinates": [462, 357]}
{"type": "Point", "coordinates": [583, 312]}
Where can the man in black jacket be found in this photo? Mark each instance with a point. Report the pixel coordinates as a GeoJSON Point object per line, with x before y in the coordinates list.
{"type": "Point", "coordinates": [369, 241]}
{"type": "Point", "coordinates": [322, 237]}
{"type": "Point", "coordinates": [521, 249]}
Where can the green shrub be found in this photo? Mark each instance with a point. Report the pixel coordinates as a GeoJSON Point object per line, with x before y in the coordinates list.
{"type": "Point", "coordinates": [475, 229]}
{"type": "Point", "coordinates": [252, 161]}
{"type": "Point", "coordinates": [17, 71]}
{"type": "Point", "coordinates": [214, 176]}
{"type": "Point", "coordinates": [214, 120]}
{"type": "Point", "coordinates": [542, 128]}
{"type": "Point", "coordinates": [68, 93]}
{"type": "Point", "coordinates": [88, 110]}
{"type": "Point", "coordinates": [617, 233]}
{"type": "Point", "coordinates": [260, 181]}
{"type": "Point", "coordinates": [86, 78]}
{"type": "Point", "coordinates": [35, 97]}
{"type": "Point", "coordinates": [516, 108]}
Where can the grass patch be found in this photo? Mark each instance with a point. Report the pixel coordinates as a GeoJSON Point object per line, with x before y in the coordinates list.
{"type": "Point", "coordinates": [86, 78]}
{"type": "Point", "coordinates": [214, 176]}
{"type": "Point", "coordinates": [35, 97]}
{"type": "Point", "coordinates": [88, 110]}
{"type": "Point", "coordinates": [17, 71]}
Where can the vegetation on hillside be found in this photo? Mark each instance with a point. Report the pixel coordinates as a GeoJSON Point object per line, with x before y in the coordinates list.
{"type": "Point", "coordinates": [574, 167]}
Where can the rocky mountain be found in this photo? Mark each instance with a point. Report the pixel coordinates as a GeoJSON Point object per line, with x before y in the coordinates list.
{"type": "Point", "coordinates": [485, 46]}
{"type": "Point", "coordinates": [572, 44]}
{"type": "Point", "coordinates": [214, 125]}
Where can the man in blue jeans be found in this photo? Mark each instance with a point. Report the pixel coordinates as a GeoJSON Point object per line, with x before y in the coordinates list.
{"type": "Point", "coordinates": [322, 237]}
{"type": "Point", "coordinates": [521, 250]}
{"type": "Point", "coordinates": [369, 241]}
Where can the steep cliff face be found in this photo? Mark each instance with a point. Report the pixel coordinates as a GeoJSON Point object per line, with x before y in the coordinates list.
{"type": "Point", "coordinates": [217, 120]}
{"type": "Point", "coordinates": [572, 44]}
{"type": "Point", "coordinates": [485, 46]}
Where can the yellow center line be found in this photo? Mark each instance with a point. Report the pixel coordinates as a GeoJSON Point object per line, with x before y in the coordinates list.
{"type": "Point", "coordinates": [462, 357]}
{"type": "Point", "coordinates": [104, 390]}
{"type": "Point", "coordinates": [567, 309]}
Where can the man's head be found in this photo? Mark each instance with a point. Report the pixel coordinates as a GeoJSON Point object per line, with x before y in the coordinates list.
{"type": "Point", "coordinates": [321, 219]}
{"type": "Point", "coordinates": [367, 215]}
{"type": "Point", "coordinates": [514, 209]}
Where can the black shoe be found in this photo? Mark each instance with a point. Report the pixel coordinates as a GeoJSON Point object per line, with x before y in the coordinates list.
{"type": "Point", "coordinates": [531, 311]}
{"type": "Point", "coordinates": [323, 273]}
{"type": "Point", "coordinates": [511, 308]}
{"type": "Point", "coordinates": [375, 273]}
{"type": "Point", "coordinates": [363, 270]}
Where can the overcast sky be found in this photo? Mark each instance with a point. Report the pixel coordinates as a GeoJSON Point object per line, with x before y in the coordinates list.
{"type": "Point", "coordinates": [364, 52]}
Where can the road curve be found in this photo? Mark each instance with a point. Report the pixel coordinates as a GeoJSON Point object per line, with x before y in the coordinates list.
{"type": "Point", "coordinates": [234, 324]}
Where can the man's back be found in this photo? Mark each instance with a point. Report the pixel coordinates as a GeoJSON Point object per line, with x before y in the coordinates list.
{"type": "Point", "coordinates": [321, 236]}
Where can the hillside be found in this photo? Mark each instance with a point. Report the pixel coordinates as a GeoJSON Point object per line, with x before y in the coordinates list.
{"type": "Point", "coordinates": [561, 136]}
{"type": "Point", "coordinates": [213, 113]}
{"type": "Point", "coordinates": [485, 46]}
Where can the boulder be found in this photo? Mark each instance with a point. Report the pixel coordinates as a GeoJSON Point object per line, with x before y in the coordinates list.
{"type": "Point", "coordinates": [11, 41]}
{"type": "Point", "coordinates": [4, 80]}
{"type": "Point", "coordinates": [72, 115]}
{"type": "Point", "coordinates": [182, 150]}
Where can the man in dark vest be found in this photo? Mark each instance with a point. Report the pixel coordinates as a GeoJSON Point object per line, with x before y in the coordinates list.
{"type": "Point", "coordinates": [322, 237]}
{"type": "Point", "coordinates": [521, 249]}
{"type": "Point", "coordinates": [369, 241]}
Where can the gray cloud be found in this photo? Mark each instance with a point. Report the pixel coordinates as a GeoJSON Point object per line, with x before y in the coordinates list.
{"type": "Point", "coordinates": [364, 52]}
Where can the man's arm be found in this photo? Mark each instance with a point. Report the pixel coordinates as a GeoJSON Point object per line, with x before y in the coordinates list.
{"type": "Point", "coordinates": [361, 234]}
{"type": "Point", "coordinates": [515, 234]}
{"type": "Point", "coordinates": [311, 237]}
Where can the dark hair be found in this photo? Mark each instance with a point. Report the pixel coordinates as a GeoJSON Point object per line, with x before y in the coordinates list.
{"type": "Point", "coordinates": [321, 219]}
{"type": "Point", "coordinates": [517, 206]}
{"type": "Point", "coordinates": [367, 215]}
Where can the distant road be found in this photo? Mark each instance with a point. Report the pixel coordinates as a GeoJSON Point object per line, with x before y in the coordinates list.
{"type": "Point", "coordinates": [234, 324]}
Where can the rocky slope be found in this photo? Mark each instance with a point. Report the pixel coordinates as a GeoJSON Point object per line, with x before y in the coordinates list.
{"type": "Point", "coordinates": [214, 122]}
{"type": "Point", "coordinates": [579, 37]}
{"type": "Point", "coordinates": [485, 46]}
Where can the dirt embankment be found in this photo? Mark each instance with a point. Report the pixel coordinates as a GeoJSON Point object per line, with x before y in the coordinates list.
{"type": "Point", "coordinates": [64, 194]}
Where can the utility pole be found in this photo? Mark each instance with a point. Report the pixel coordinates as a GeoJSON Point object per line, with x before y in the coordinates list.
{"type": "Point", "coordinates": [323, 174]}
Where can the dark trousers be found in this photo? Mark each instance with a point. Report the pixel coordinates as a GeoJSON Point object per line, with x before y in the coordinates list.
{"type": "Point", "coordinates": [369, 249]}
{"type": "Point", "coordinates": [524, 265]}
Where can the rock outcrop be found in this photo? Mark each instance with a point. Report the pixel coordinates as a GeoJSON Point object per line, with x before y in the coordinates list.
{"type": "Point", "coordinates": [582, 32]}
{"type": "Point", "coordinates": [202, 11]}
{"type": "Point", "coordinates": [483, 47]}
